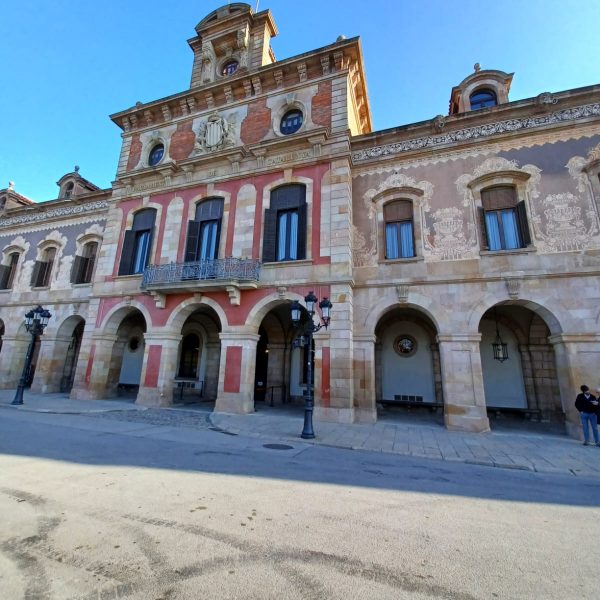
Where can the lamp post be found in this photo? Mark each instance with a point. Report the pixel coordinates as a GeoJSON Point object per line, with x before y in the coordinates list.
{"type": "Point", "coordinates": [309, 328]}
{"type": "Point", "coordinates": [35, 323]}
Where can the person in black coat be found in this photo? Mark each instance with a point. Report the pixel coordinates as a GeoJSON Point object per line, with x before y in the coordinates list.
{"type": "Point", "coordinates": [587, 405]}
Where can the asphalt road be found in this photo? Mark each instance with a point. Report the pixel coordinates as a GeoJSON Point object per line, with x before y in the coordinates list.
{"type": "Point", "coordinates": [114, 508]}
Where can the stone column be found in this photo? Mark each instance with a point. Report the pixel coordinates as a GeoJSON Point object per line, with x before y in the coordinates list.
{"type": "Point", "coordinates": [51, 362]}
{"type": "Point", "coordinates": [365, 395]}
{"type": "Point", "coordinates": [338, 344]}
{"type": "Point", "coordinates": [236, 372]}
{"type": "Point", "coordinates": [159, 370]}
{"type": "Point", "coordinates": [11, 360]}
{"type": "Point", "coordinates": [577, 361]}
{"type": "Point", "coordinates": [462, 382]}
{"type": "Point", "coordinates": [93, 367]}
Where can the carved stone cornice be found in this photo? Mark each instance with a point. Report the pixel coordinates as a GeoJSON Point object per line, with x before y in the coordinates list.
{"type": "Point", "coordinates": [469, 134]}
{"type": "Point", "coordinates": [45, 215]}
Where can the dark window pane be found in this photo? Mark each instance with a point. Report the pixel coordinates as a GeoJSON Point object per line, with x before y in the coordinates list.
{"type": "Point", "coordinates": [156, 154]}
{"type": "Point", "coordinates": [483, 99]}
{"type": "Point", "coordinates": [230, 67]}
{"type": "Point", "coordinates": [291, 122]}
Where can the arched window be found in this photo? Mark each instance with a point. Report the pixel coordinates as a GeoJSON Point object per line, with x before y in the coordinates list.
{"type": "Point", "coordinates": [399, 231]}
{"type": "Point", "coordinates": [204, 231]}
{"type": "Point", "coordinates": [9, 271]}
{"type": "Point", "coordinates": [483, 98]}
{"type": "Point", "coordinates": [285, 224]}
{"type": "Point", "coordinates": [188, 361]}
{"type": "Point", "coordinates": [68, 190]}
{"type": "Point", "coordinates": [83, 265]}
{"type": "Point", "coordinates": [503, 219]}
{"type": "Point", "coordinates": [42, 270]}
{"type": "Point", "coordinates": [137, 243]}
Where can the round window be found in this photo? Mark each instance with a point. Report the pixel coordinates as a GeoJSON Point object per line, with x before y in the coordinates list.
{"type": "Point", "coordinates": [405, 345]}
{"type": "Point", "coordinates": [230, 67]}
{"type": "Point", "coordinates": [156, 154]}
{"type": "Point", "coordinates": [291, 121]}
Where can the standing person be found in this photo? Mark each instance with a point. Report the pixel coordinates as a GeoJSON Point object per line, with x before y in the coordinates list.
{"type": "Point", "coordinates": [587, 405]}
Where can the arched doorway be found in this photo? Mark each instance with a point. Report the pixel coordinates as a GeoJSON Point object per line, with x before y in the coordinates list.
{"type": "Point", "coordinates": [281, 360]}
{"type": "Point", "coordinates": [199, 356]}
{"type": "Point", "coordinates": [72, 354]}
{"type": "Point", "coordinates": [127, 357]}
{"type": "Point", "coordinates": [523, 388]}
{"type": "Point", "coordinates": [407, 365]}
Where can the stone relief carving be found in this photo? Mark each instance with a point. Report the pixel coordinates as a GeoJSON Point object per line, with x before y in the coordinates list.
{"type": "Point", "coordinates": [454, 238]}
{"type": "Point", "coordinates": [24, 281]}
{"type": "Point", "coordinates": [18, 243]}
{"type": "Point", "coordinates": [364, 243]}
{"type": "Point", "coordinates": [567, 227]}
{"type": "Point", "coordinates": [63, 277]}
{"type": "Point", "coordinates": [571, 220]}
{"type": "Point", "coordinates": [215, 133]}
{"type": "Point", "coordinates": [468, 134]}
{"type": "Point", "coordinates": [65, 211]}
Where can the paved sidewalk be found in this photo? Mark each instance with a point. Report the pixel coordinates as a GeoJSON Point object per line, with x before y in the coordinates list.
{"type": "Point", "coordinates": [544, 453]}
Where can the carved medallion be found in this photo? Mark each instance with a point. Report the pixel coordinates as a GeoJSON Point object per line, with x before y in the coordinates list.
{"type": "Point", "coordinates": [214, 134]}
{"type": "Point", "coordinates": [405, 345]}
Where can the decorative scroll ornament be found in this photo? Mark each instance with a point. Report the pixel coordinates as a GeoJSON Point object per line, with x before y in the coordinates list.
{"type": "Point", "coordinates": [470, 134]}
{"type": "Point", "coordinates": [65, 211]}
{"type": "Point", "coordinates": [214, 134]}
{"type": "Point", "coordinates": [454, 239]}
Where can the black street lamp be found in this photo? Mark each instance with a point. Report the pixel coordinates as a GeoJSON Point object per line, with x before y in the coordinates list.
{"type": "Point", "coordinates": [35, 323]}
{"type": "Point", "coordinates": [309, 328]}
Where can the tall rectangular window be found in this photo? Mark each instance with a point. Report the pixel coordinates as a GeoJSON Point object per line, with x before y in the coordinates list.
{"type": "Point", "coordinates": [8, 272]}
{"type": "Point", "coordinates": [285, 230]}
{"type": "Point", "coordinates": [503, 219]}
{"type": "Point", "coordinates": [399, 236]}
{"type": "Point", "coordinates": [204, 231]}
{"type": "Point", "coordinates": [42, 269]}
{"type": "Point", "coordinates": [137, 243]}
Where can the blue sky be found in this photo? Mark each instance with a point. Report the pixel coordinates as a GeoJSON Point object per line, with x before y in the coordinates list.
{"type": "Point", "coordinates": [67, 64]}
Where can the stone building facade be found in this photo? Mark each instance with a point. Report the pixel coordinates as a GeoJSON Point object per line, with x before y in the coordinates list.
{"type": "Point", "coordinates": [264, 181]}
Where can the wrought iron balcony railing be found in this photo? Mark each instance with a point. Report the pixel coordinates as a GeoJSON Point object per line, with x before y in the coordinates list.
{"type": "Point", "coordinates": [216, 270]}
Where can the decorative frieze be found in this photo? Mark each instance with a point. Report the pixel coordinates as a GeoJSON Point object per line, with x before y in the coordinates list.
{"type": "Point", "coordinates": [481, 131]}
{"type": "Point", "coordinates": [64, 211]}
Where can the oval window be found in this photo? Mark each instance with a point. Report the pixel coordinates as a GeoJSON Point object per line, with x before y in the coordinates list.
{"type": "Point", "coordinates": [230, 67]}
{"type": "Point", "coordinates": [291, 121]}
{"type": "Point", "coordinates": [156, 154]}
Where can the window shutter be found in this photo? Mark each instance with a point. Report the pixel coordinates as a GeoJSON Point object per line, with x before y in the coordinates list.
{"type": "Point", "coordinates": [77, 269]}
{"type": "Point", "coordinates": [4, 275]}
{"type": "Point", "coordinates": [149, 252]}
{"type": "Point", "coordinates": [127, 253]}
{"type": "Point", "coordinates": [485, 245]}
{"type": "Point", "coordinates": [499, 197]}
{"type": "Point", "coordinates": [398, 211]}
{"type": "Point", "coordinates": [35, 274]}
{"type": "Point", "coordinates": [191, 244]}
{"type": "Point", "coordinates": [270, 235]}
{"type": "Point", "coordinates": [523, 226]}
{"type": "Point", "coordinates": [302, 231]}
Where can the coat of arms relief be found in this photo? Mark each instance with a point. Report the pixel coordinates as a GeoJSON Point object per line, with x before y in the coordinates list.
{"type": "Point", "coordinates": [215, 133]}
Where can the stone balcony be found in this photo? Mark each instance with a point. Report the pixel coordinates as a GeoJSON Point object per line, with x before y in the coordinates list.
{"type": "Point", "coordinates": [229, 274]}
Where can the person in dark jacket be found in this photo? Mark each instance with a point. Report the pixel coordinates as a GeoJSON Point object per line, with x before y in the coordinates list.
{"type": "Point", "coordinates": [587, 405]}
